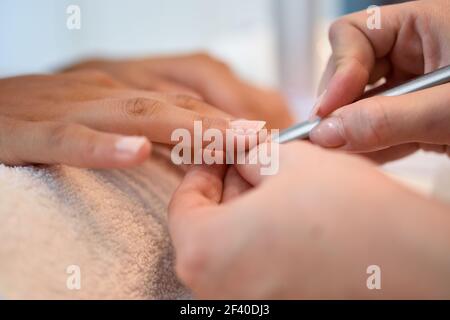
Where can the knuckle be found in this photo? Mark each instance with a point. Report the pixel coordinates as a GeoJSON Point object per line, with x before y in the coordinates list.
{"type": "Point", "coordinates": [9, 129]}
{"type": "Point", "coordinates": [187, 101]}
{"type": "Point", "coordinates": [378, 128]}
{"type": "Point", "coordinates": [59, 133]}
{"type": "Point", "coordinates": [62, 135]}
{"type": "Point", "coordinates": [89, 149]}
{"type": "Point", "coordinates": [141, 107]}
{"type": "Point", "coordinates": [335, 29]}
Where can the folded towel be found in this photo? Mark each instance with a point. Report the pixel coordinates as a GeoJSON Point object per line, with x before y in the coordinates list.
{"type": "Point", "coordinates": [110, 225]}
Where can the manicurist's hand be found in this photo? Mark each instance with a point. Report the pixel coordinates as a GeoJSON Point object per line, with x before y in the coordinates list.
{"type": "Point", "coordinates": [88, 119]}
{"type": "Point", "coordinates": [203, 76]}
{"type": "Point", "coordinates": [413, 40]}
{"type": "Point", "coordinates": [308, 232]}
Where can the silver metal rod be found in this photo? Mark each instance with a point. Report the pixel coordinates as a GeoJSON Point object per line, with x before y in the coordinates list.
{"type": "Point", "coordinates": [435, 78]}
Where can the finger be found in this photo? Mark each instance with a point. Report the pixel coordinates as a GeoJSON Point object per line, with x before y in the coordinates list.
{"type": "Point", "coordinates": [180, 100]}
{"type": "Point", "coordinates": [144, 79]}
{"type": "Point", "coordinates": [234, 185]}
{"type": "Point", "coordinates": [348, 70]}
{"type": "Point", "coordinates": [212, 79]}
{"type": "Point", "coordinates": [194, 104]}
{"type": "Point", "coordinates": [191, 210]}
{"type": "Point", "coordinates": [380, 70]}
{"type": "Point", "coordinates": [162, 85]}
{"type": "Point", "coordinates": [92, 76]}
{"type": "Point", "coordinates": [380, 122]}
{"type": "Point", "coordinates": [250, 171]}
{"type": "Point", "coordinates": [267, 105]}
{"type": "Point", "coordinates": [392, 153]}
{"type": "Point", "coordinates": [205, 235]}
{"type": "Point", "coordinates": [356, 49]}
{"type": "Point", "coordinates": [271, 159]}
{"type": "Point", "coordinates": [142, 116]}
{"type": "Point", "coordinates": [23, 142]}
{"type": "Point", "coordinates": [201, 187]}
{"type": "Point", "coordinates": [219, 86]}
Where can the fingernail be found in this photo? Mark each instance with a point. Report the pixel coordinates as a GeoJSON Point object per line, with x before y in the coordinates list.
{"type": "Point", "coordinates": [129, 146]}
{"type": "Point", "coordinates": [328, 133]}
{"type": "Point", "coordinates": [313, 116]}
{"type": "Point", "coordinates": [246, 127]}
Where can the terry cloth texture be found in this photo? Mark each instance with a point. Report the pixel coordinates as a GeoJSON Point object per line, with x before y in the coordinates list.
{"type": "Point", "coordinates": [110, 225]}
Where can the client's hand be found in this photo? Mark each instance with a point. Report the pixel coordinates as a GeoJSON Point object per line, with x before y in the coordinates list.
{"type": "Point", "coordinates": [88, 119]}
{"type": "Point", "coordinates": [199, 75]}
{"type": "Point", "coordinates": [309, 232]}
{"type": "Point", "coordinates": [413, 40]}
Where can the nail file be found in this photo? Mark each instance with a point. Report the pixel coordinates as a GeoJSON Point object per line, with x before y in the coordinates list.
{"type": "Point", "coordinates": [435, 78]}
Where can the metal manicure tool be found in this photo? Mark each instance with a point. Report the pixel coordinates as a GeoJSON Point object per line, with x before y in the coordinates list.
{"type": "Point", "coordinates": [432, 79]}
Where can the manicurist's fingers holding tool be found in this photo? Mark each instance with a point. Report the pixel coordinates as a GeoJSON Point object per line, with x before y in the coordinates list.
{"type": "Point", "coordinates": [413, 40]}
{"type": "Point", "coordinates": [313, 229]}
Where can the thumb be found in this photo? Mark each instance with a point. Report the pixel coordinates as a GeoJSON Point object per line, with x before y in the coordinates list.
{"type": "Point", "coordinates": [348, 70]}
{"type": "Point", "coordinates": [380, 122]}
{"type": "Point", "coordinates": [360, 56]}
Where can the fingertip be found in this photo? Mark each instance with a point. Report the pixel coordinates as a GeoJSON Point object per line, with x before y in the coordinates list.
{"type": "Point", "coordinates": [316, 110]}
{"type": "Point", "coordinates": [201, 186]}
{"type": "Point", "coordinates": [345, 86]}
{"type": "Point", "coordinates": [131, 150]}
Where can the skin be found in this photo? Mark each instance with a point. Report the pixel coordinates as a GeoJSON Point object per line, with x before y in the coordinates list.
{"type": "Point", "coordinates": [81, 116]}
{"type": "Point", "coordinates": [414, 40]}
{"type": "Point", "coordinates": [202, 76]}
{"type": "Point", "coordinates": [78, 118]}
{"type": "Point", "coordinates": [312, 230]}
{"type": "Point", "coordinates": [241, 235]}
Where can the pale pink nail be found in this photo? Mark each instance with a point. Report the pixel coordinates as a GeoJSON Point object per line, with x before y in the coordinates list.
{"type": "Point", "coordinates": [313, 116]}
{"type": "Point", "coordinates": [129, 146]}
{"type": "Point", "coordinates": [328, 133]}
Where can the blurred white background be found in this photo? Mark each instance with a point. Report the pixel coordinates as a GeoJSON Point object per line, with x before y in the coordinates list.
{"type": "Point", "coordinates": [269, 42]}
{"type": "Point", "coordinates": [278, 43]}
{"type": "Point", "coordinates": [34, 37]}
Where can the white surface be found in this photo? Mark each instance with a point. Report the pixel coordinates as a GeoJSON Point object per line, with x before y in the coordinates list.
{"type": "Point", "coordinates": [426, 172]}
{"type": "Point", "coordinates": [34, 36]}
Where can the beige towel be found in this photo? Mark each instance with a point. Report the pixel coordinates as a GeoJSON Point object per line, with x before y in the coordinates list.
{"type": "Point", "coordinates": [110, 225]}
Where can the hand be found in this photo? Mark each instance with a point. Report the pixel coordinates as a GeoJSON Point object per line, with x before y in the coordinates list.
{"type": "Point", "coordinates": [413, 40]}
{"type": "Point", "coordinates": [202, 76]}
{"type": "Point", "coordinates": [308, 232]}
{"type": "Point", "coordinates": [88, 119]}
